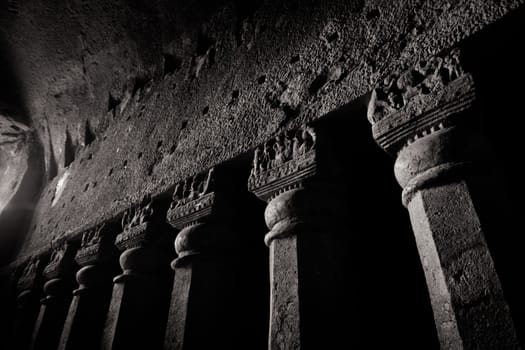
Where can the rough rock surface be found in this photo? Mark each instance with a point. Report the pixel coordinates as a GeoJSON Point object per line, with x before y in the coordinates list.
{"type": "Point", "coordinates": [130, 97]}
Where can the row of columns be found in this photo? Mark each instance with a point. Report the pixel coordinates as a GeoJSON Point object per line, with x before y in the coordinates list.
{"type": "Point", "coordinates": [420, 116]}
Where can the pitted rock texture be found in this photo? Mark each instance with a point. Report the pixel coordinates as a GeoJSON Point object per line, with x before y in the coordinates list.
{"type": "Point", "coordinates": [128, 98]}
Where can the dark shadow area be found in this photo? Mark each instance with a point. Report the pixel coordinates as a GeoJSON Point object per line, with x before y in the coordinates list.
{"type": "Point", "coordinates": [11, 94]}
{"type": "Point", "coordinates": [388, 302]}
{"type": "Point", "coordinates": [495, 57]}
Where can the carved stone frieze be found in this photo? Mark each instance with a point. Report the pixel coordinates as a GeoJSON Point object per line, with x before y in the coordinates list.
{"type": "Point", "coordinates": [284, 162]}
{"type": "Point", "coordinates": [96, 246]}
{"type": "Point", "coordinates": [200, 198]}
{"type": "Point", "coordinates": [422, 100]}
{"type": "Point", "coordinates": [195, 210]}
{"type": "Point", "coordinates": [61, 260]}
{"type": "Point", "coordinates": [137, 226]}
{"type": "Point", "coordinates": [193, 188]}
{"type": "Point", "coordinates": [30, 274]}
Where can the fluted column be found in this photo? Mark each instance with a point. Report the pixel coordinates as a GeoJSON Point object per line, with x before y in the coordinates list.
{"type": "Point", "coordinates": [137, 315]}
{"type": "Point", "coordinates": [58, 274]}
{"type": "Point", "coordinates": [28, 304]}
{"type": "Point", "coordinates": [296, 176]}
{"type": "Point", "coordinates": [97, 259]}
{"type": "Point", "coordinates": [207, 309]}
{"type": "Point", "coordinates": [427, 116]}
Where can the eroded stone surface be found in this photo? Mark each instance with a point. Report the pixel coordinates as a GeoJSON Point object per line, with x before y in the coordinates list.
{"type": "Point", "coordinates": [223, 82]}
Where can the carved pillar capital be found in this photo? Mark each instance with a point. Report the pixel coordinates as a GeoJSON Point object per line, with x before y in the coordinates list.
{"type": "Point", "coordinates": [420, 116]}
{"type": "Point", "coordinates": [136, 316]}
{"type": "Point", "coordinates": [209, 209]}
{"type": "Point", "coordinates": [295, 175]}
{"type": "Point", "coordinates": [409, 103]}
{"type": "Point", "coordinates": [31, 274]}
{"type": "Point", "coordinates": [298, 177]}
{"type": "Point", "coordinates": [302, 209]}
{"type": "Point", "coordinates": [288, 161]}
{"type": "Point", "coordinates": [141, 240]}
{"type": "Point", "coordinates": [203, 208]}
{"type": "Point", "coordinates": [60, 266]}
{"type": "Point", "coordinates": [58, 274]}
{"type": "Point", "coordinates": [96, 248]}
{"type": "Point", "coordinates": [28, 285]}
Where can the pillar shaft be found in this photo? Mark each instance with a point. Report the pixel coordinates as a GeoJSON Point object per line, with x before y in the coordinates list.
{"type": "Point", "coordinates": [28, 303]}
{"type": "Point", "coordinates": [86, 316]}
{"type": "Point", "coordinates": [139, 302]}
{"type": "Point", "coordinates": [211, 281]}
{"type": "Point", "coordinates": [136, 317]}
{"type": "Point", "coordinates": [201, 304]}
{"type": "Point", "coordinates": [57, 291]}
{"type": "Point", "coordinates": [50, 321]}
{"type": "Point", "coordinates": [27, 310]}
{"type": "Point", "coordinates": [468, 303]}
{"type": "Point", "coordinates": [307, 250]}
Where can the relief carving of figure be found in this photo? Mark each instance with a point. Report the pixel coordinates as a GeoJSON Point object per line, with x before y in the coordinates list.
{"type": "Point", "coordinates": [193, 188]}
{"type": "Point", "coordinates": [138, 215]}
{"type": "Point", "coordinates": [452, 65]}
{"type": "Point", "coordinates": [30, 268]}
{"type": "Point", "coordinates": [178, 193]}
{"type": "Point", "coordinates": [256, 161]}
{"type": "Point", "coordinates": [125, 219]}
{"type": "Point", "coordinates": [207, 185]}
{"type": "Point", "coordinates": [296, 144]}
{"type": "Point", "coordinates": [288, 146]}
{"type": "Point", "coordinates": [194, 191]}
{"type": "Point", "coordinates": [57, 255]}
{"type": "Point", "coordinates": [308, 135]}
{"type": "Point", "coordinates": [266, 159]}
{"type": "Point", "coordinates": [278, 151]}
{"type": "Point", "coordinates": [187, 188]}
{"type": "Point", "coordinates": [145, 213]}
{"type": "Point", "coordinates": [91, 237]}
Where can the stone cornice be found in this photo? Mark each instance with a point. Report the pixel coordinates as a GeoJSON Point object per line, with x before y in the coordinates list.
{"type": "Point", "coordinates": [420, 101]}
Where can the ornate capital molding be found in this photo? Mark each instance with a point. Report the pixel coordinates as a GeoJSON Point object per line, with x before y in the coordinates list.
{"type": "Point", "coordinates": [420, 101]}
{"type": "Point", "coordinates": [61, 261]}
{"type": "Point", "coordinates": [96, 246]}
{"type": "Point", "coordinates": [193, 200]}
{"type": "Point", "coordinates": [137, 225]}
{"type": "Point", "coordinates": [203, 197]}
{"type": "Point", "coordinates": [30, 274]}
{"type": "Point", "coordinates": [284, 163]}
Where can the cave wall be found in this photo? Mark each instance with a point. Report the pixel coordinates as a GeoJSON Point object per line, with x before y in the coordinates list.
{"type": "Point", "coordinates": [129, 97]}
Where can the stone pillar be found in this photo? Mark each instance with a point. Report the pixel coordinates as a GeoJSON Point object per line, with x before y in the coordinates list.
{"type": "Point", "coordinates": [97, 259]}
{"type": "Point", "coordinates": [138, 311]}
{"type": "Point", "coordinates": [58, 274]}
{"type": "Point", "coordinates": [27, 303]}
{"type": "Point", "coordinates": [206, 305]}
{"type": "Point", "coordinates": [427, 116]}
{"type": "Point", "coordinates": [295, 175]}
